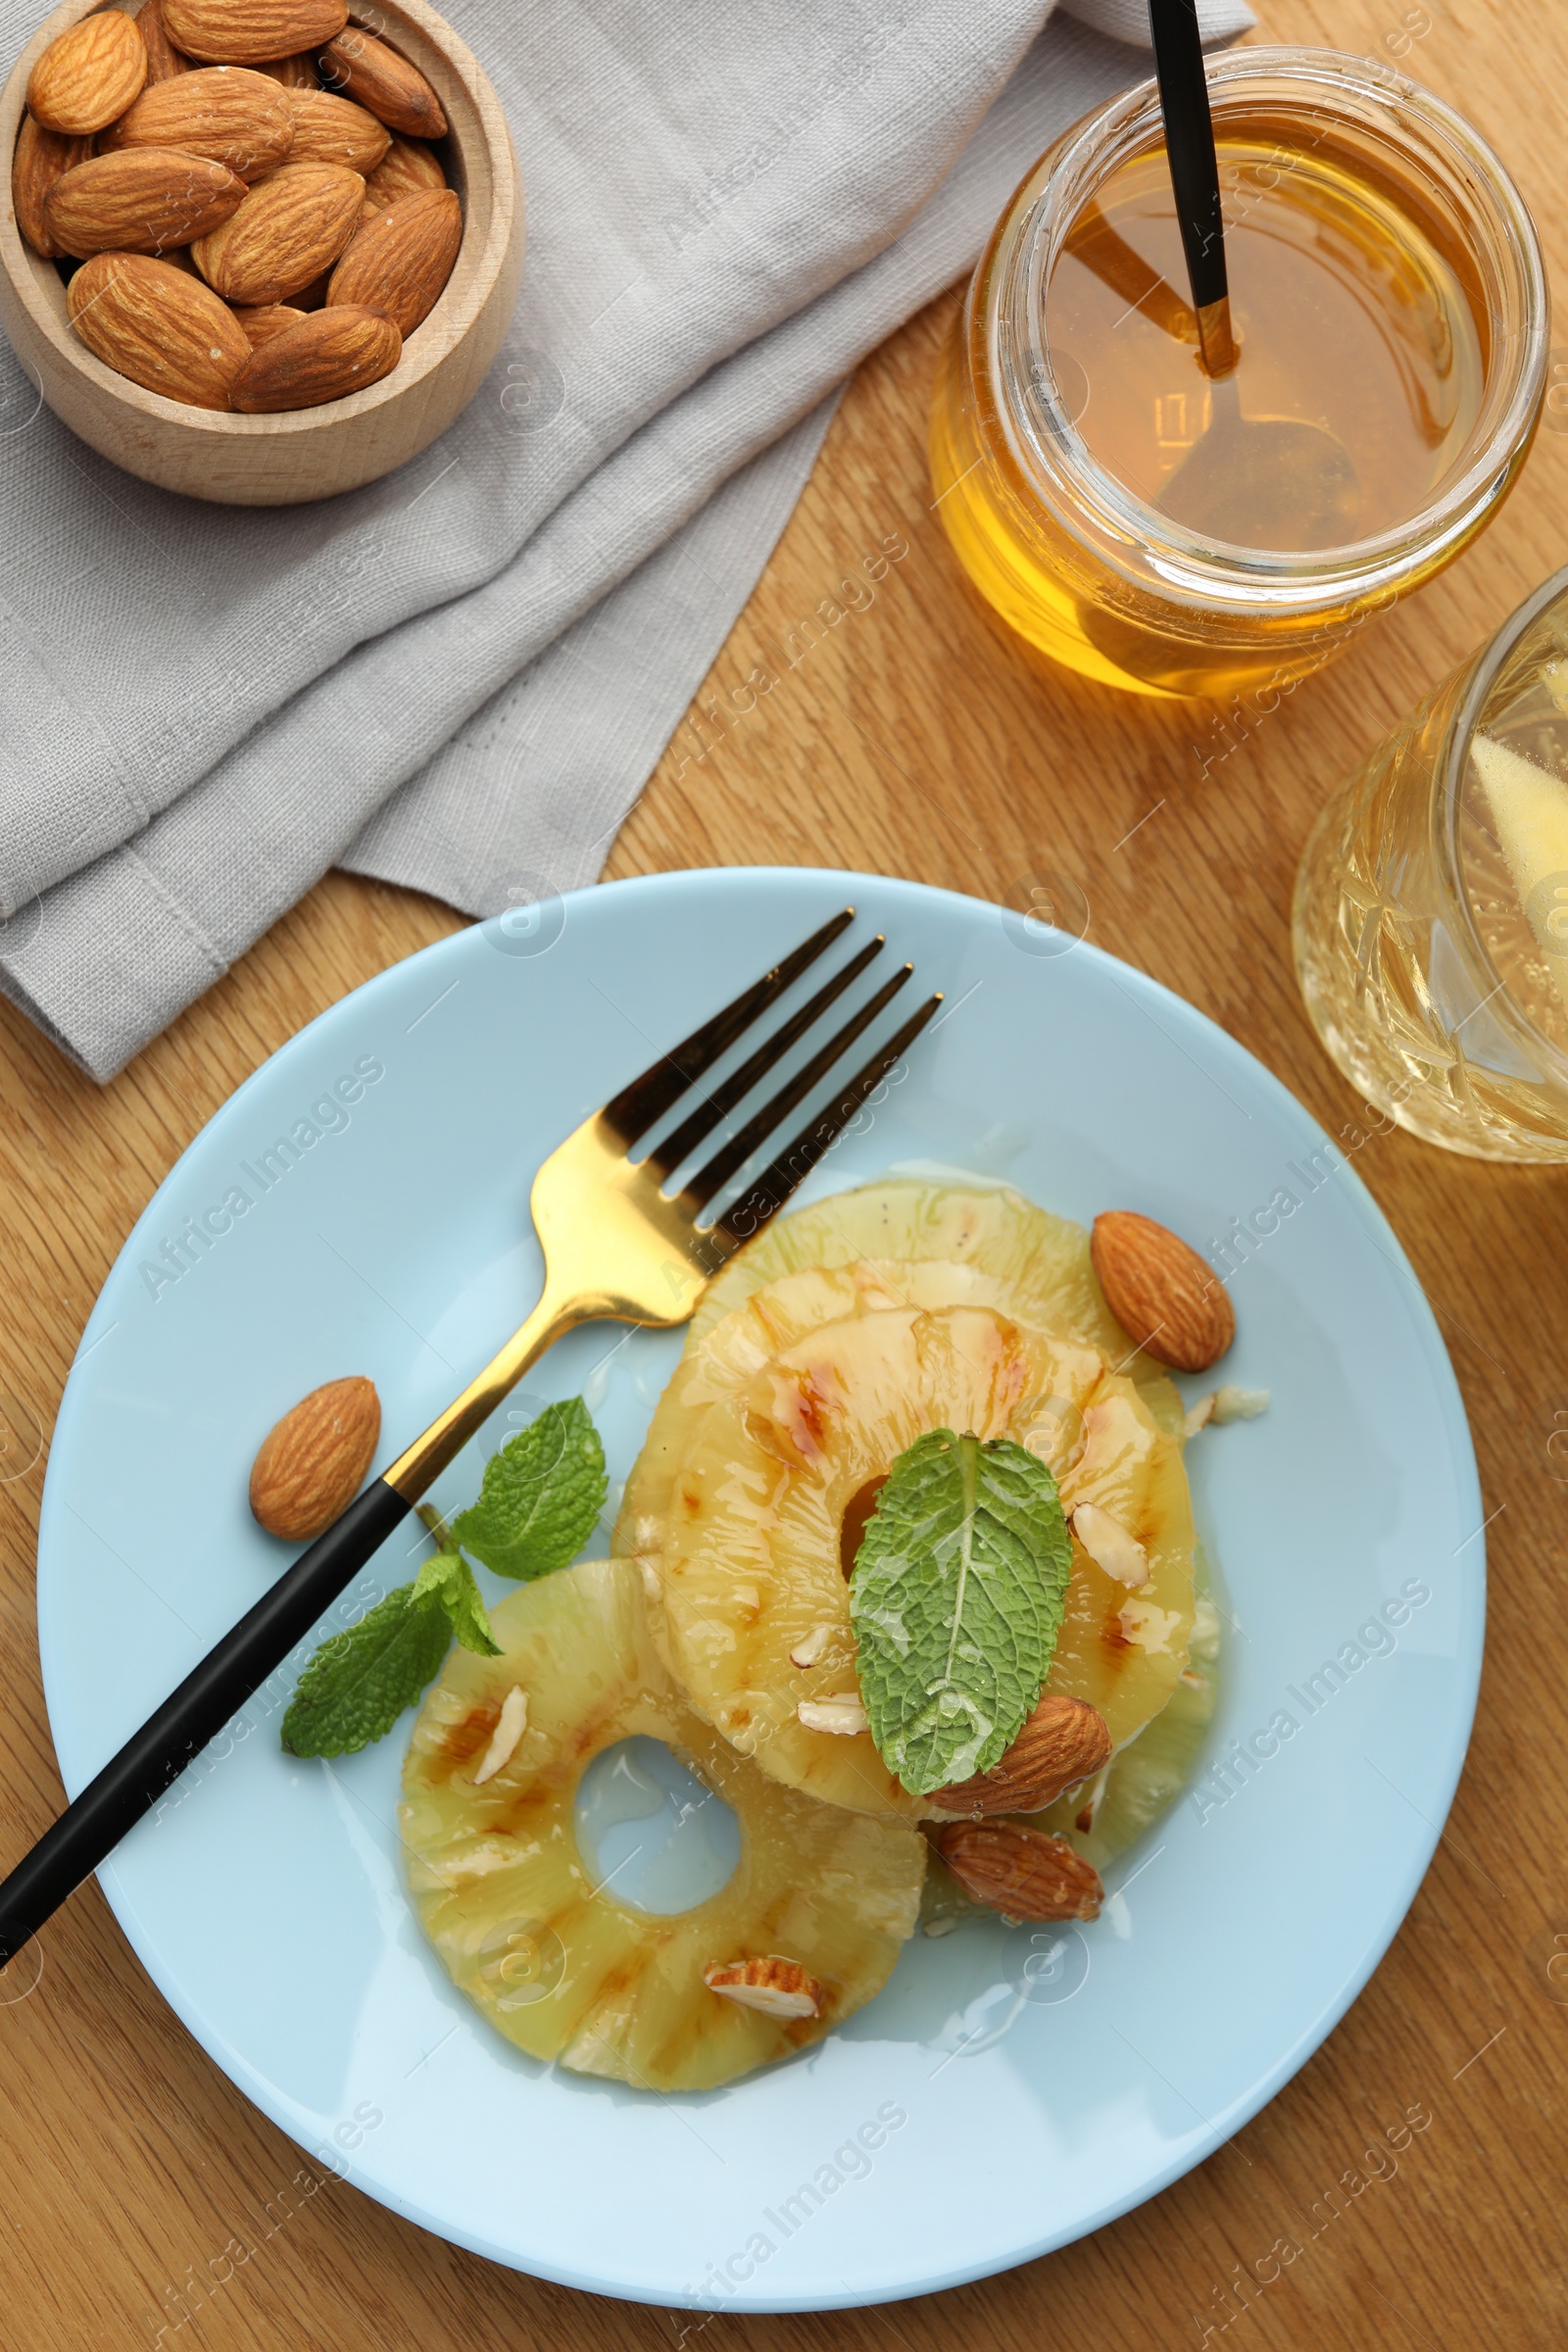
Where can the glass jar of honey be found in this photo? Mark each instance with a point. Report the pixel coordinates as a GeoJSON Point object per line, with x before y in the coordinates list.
{"type": "Point", "coordinates": [1176, 534]}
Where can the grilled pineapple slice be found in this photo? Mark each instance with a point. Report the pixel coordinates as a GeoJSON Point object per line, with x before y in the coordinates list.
{"type": "Point", "coordinates": [895, 1244]}
{"type": "Point", "coordinates": [754, 1616]}
{"type": "Point", "coordinates": [563, 1968]}
{"type": "Point", "coordinates": [731, 1353]}
{"type": "Point", "coordinates": [1042, 1261]}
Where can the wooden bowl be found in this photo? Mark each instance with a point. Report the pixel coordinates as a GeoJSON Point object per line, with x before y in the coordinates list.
{"type": "Point", "coordinates": [279, 460]}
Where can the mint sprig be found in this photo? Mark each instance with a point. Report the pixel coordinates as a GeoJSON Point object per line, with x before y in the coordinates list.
{"type": "Point", "coordinates": [539, 1502]}
{"type": "Point", "coordinates": [359, 1683]}
{"type": "Point", "coordinates": [956, 1600]}
{"type": "Point", "coordinates": [541, 1498]}
{"type": "Point", "coordinates": [447, 1579]}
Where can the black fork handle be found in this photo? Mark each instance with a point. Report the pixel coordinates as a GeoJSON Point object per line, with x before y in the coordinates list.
{"type": "Point", "coordinates": [132, 1781]}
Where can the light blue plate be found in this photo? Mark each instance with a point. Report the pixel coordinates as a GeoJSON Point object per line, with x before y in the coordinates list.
{"type": "Point", "coordinates": [1008, 2090]}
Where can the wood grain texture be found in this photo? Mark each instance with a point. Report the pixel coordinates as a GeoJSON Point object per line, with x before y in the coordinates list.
{"type": "Point", "coordinates": [281, 460]}
{"type": "Point", "coordinates": [912, 738]}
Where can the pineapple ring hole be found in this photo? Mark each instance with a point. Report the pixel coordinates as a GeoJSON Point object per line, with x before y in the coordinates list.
{"type": "Point", "coordinates": [654, 1837]}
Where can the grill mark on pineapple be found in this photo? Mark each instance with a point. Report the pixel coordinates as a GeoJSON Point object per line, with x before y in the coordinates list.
{"type": "Point", "coordinates": [796, 1424]}
{"type": "Point", "coordinates": [819, 1398]}
{"type": "Point", "coordinates": [1010, 1378]}
{"type": "Point", "coordinates": [462, 1742]}
{"type": "Point", "coordinates": [618, 1980]}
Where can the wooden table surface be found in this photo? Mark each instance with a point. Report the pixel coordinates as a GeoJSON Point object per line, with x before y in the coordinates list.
{"type": "Point", "coordinates": [913, 740]}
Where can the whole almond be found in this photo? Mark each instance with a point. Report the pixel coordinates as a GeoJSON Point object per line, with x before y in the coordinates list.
{"type": "Point", "coordinates": [365, 70]}
{"type": "Point", "coordinates": [142, 200]}
{"type": "Point", "coordinates": [329, 354]}
{"type": "Point", "coordinates": [89, 74]}
{"type": "Point", "coordinates": [164, 60]}
{"type": "Point", "coordinates": [40, 157]}
{"type": "Point", "coordinates": [294, 73]}
{"type": "Point", "coordinates": [286, 231]}
{"type": "Point", "coordinates": [399, 261]}
{"type": "Point", "coordinates": [227, 113]}
{"type": "Point", "coordinates": [312, 1463]}
{"type": "Point", "coordinates": [251, 32]}
{"type": "Point", "coordinates": [1064, 1741]}
{"type": "Point", "coordinates": [406, 169]}
{"type": "Point", "coordinates": [1160, 1291]}
{"type": "Point", "coordinates": [271, 318]}
{"type": "Point", "coordinates": [1023, 1872]}
{"type": "Point", "coordinates": [334, 131]}
{"type": "Point", "coordinates": [158, 326]}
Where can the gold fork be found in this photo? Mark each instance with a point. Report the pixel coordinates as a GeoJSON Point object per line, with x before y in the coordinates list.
{"type": "Point", "coordinates": [615, 1245]}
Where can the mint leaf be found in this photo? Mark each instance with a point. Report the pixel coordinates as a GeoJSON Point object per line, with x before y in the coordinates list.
{"type": "Point", "coordinates": [541, 1498]}
{"type": "Point", "coordinates": [449, 1576]}
{"type": "Point", "coordinates": [956, 1600]}
{"type": "Point", "coordinates": [359, 1683]}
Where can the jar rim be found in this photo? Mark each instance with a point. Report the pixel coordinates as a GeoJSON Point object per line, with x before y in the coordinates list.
{"type": "Point", "coordinates": [1097, 509]}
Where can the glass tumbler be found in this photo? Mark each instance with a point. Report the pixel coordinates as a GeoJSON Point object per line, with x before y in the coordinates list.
{"type": "Point", "coordinates": [1431, 916]}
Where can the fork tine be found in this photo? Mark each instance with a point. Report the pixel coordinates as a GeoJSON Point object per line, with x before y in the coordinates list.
{"type": "Point", "coordinates": [705, 1117]}
{"type": "Point", "coordinates": [634, 1109]}
{"type": "Point", "coordinates": [721, 1167]}
{"type": "Point", "coordinates": [748, 1215]}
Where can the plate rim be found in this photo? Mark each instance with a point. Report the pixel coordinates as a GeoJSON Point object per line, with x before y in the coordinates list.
{"type": "Point", "coordinates": [1468, 1658]}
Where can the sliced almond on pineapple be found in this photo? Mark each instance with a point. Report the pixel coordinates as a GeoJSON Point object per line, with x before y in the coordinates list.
{"type": "Point", "coordinates": [777, 1987]}
{"type": "Point", "coordinates": [1199, 1415]}
{"type": "Point", "coordinates": [843, 1715]}
{"type": "Point", "coordinates": [511, 1724]}
{"type": "Point", "coordinates": [1151, 1629]}
{"type": "Point", "coordinates": [1109, 1546]}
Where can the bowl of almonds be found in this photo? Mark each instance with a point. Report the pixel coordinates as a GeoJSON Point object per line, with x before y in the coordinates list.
{"type": "Point", "coordinates": [257, 251]}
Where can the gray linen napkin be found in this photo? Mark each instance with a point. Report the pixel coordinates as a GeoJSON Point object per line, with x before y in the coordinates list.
{"type": "Point", "coordinates": [460, 677]}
